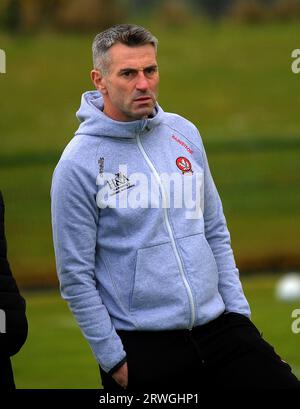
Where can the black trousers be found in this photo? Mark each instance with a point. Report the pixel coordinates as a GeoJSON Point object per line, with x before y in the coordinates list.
{"type": "Point", "coordinates": [7, 382]}
{"type": "Point", "coordinates": [228, 352]}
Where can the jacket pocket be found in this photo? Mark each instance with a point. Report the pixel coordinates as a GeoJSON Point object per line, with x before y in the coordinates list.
{"type": "Point", "coordinates": [158, 289]}
{"type": "Point", "coordinates": [201, 267]}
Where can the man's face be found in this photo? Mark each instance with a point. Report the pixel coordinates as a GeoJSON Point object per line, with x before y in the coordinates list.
{"type": "Point", "coordinates": [130, 87]}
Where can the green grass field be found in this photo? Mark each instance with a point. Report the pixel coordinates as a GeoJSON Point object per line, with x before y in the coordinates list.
{"type": "Point", "coordinates": [57, 356]}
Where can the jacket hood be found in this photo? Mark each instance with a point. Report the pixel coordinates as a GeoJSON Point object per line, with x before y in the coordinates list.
{"type": "Point", "coordinates": [94, 122]}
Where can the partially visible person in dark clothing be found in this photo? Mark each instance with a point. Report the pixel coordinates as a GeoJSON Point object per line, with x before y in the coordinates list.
{"type": "Point", "coordinates": [13, 322]}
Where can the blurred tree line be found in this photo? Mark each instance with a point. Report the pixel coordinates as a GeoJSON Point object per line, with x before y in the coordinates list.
{"type": "Point", "coordinates": [85, 15]}
{"type": "Point", "coordinates": [63, 15]}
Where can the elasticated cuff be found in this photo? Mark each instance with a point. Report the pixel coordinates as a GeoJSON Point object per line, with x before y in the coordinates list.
{"type": "Point", "coordinates": [112, 370]}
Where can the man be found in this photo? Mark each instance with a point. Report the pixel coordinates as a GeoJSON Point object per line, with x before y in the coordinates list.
{"type": "Point", "coordinates": [13, 322]}
{"type": "Point", "coordinates": [142, 248]}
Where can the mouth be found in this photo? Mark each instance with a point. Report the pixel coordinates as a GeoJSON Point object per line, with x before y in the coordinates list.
{"type": "Point", "coordinates": [142, 99]}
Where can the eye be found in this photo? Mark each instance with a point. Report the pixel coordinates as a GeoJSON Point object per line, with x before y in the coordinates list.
{"type": "Point", "coordinates": [150, 70]}
{"type": "Point", "coordinates": [127, 74]}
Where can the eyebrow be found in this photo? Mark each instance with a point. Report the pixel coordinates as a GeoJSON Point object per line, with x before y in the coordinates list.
{"type": "Point", "coordinates": [129, 69]}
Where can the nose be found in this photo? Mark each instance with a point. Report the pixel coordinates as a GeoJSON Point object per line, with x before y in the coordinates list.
{"type": "Point", "coordinates": [142, 82]}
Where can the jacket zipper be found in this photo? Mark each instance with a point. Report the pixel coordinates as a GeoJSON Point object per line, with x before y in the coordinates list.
{"type": "Point", "coordinates": [169, 229]}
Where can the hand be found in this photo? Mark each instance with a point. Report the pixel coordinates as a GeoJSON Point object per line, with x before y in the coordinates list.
{"type": "Point", "coordinates": [121, 375]}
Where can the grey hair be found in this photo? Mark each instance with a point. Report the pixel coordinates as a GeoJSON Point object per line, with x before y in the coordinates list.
{"type": "Point", "coordinates": [128, 34]}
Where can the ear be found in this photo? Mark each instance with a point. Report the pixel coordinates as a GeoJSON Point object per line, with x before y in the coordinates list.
{"type": "Point", "coordinates": [99, 81]}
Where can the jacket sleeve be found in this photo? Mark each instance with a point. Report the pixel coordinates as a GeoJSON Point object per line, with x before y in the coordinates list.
{"type": "Point", "coordinates": [74, 224]}
{"type": "Point", "coordinates": [13, 322]}
{"type": "Point", "coordinates": [218, 238]}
